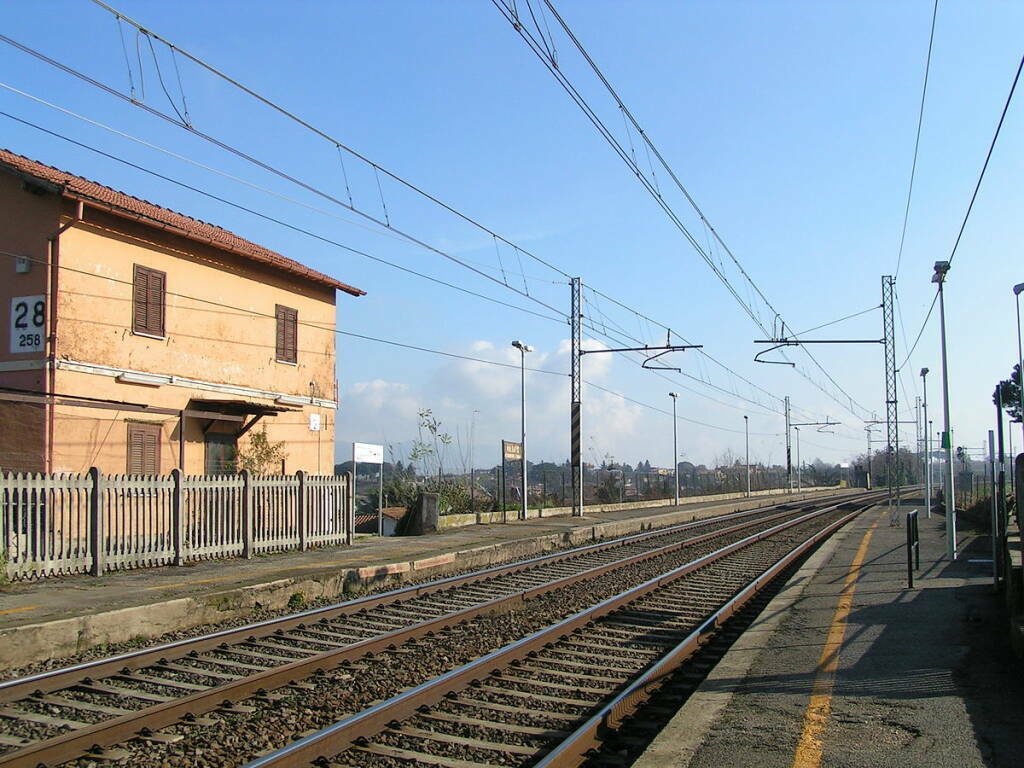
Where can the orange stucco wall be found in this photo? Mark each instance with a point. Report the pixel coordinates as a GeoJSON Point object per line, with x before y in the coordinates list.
{"type": "Point", "coordinates": [27, 221]}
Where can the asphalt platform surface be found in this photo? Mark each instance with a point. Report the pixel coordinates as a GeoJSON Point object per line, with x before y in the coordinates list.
{"type": "Point", "coordinates": [911, 677]}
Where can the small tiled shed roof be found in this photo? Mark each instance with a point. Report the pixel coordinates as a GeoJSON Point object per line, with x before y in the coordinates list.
{"type": "Point", "coordinates": [79, 188]}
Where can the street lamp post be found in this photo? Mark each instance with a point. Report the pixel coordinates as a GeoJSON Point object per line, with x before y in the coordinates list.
{"type": "Point", "coordinates": [675, 445]}
{"type": "Point", "coordinates": [799, 481]}
{"type": "Point", "coordinates": [523, 349]}
{"type": "Point", "coordinates": [1020, 358]}
{"type": "Point", "coordinates": [927, 446]}
{"type": "Point", "coordinates": [746, 439]}
{"type": "Point", "coordinates": [941, 268]}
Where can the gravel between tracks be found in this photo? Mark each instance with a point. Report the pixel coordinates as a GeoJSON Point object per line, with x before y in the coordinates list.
{"type": "Point", "coordinates": [259, 614]}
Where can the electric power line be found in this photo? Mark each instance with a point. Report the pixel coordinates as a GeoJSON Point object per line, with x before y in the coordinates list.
{"type": "Point", "coordinates": [387, 226]}
{"type": "Point", "coordinates": [988, 156]}
{"type": "Point", "coordinates": [365, 337]}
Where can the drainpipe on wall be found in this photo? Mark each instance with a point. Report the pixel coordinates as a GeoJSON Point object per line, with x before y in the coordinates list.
{"type": "Point", "coordinates": [52, 286]}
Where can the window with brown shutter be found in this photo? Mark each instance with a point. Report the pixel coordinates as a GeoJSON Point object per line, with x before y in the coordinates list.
{"type": "Point", "coordinates": [143, 449]}
{"type": "Point", "coordinates": [287, 334]}
{"type": "Point", "coordinates": [149, 299]}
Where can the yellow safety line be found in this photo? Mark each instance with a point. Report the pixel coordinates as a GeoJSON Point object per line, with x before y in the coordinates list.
{"type": "Point", "coordinates": [18, 610]}
{"type": "Point", "coordinates": [819, 708]}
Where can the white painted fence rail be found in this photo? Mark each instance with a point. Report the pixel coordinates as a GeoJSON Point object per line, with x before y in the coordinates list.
{"type": "Point", "coordinates": [60, 524]}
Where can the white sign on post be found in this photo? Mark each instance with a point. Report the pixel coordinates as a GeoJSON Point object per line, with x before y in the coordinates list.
{"type": "Point", "coordinates": [28, 324]}
{"type": "Point", "coordinates": [368, 452]}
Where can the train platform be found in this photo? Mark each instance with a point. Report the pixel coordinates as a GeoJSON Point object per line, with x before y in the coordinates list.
{"type": "Point", "coordinates": [54, 618]}
{"type": "Point", "coordinates": [848, 666]}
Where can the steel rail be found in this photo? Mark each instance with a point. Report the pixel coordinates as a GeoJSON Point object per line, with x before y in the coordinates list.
{"type": "Point", "coordinates": [336, 738]}
{"type": "Point", "coordinates": [107, 733]}
{"type": "Point", "coordinates": [56, 679]}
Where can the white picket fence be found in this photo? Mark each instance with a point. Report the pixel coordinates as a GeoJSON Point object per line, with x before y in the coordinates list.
{"type": "Point", "coordinates": [60, 524]}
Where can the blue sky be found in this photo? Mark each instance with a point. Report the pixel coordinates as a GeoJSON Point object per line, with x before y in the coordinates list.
{"type": "Point", "coordinates": [792, 124]}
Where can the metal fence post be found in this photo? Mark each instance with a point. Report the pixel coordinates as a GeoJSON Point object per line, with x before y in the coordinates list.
{"type": "Point", "coordinates": [247, 514]}
{"type": "Point", "coordinates": [301, 509]}
{"type": "Point", "coordinates": [97, 534]}
{"type": "Point", "coordinates": [177, 517]}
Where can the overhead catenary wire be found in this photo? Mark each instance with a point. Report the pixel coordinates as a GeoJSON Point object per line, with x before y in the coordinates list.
{"type": "Point", "coordinates": [510, 14]}
{"type": "Point", "coordinates": [319, 237]}
{"type": "Point", "coordinates": [988, 156]}
{"type": "Point", "coordinates": [280, 222]}
{"type": "Point", "coordinates": [970, 206]}
{"type": "Point", "coordinates": [917, 140]}
{"type": "Point", "coordinates": [266, 166]}
{"type": "Point", "coordinates": [366, 337]}
{"type": "Point", "coordinates": [328, 213]}
{"type": "Point", "coordinates": [113, 91]}
{"type": "Point", "coordinates": [338, 145]}
{"type": "Point", "coordinates": [316, 131]}
{"type": "Point", "coordinates": [150, 35]}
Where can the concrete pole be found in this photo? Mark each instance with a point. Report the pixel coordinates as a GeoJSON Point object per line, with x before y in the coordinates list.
{"type": "Point", "coordinates": [947, 435]}
{"type": "Point", "coordinates": [523, 349]}
{"type": "Point", "coordinates": [675, 446]}
{"type": "Point", "coordinates": [917, 423]}
{"type": "Point", "coordinates": [799, 480]}
{"type": "Point", "coordinates": [789, 459]}
{"type": "Point", "coordinates": [746, 437]}
{"type": "Point", "coordinates": [927, 446]}
{"type": "Point", "coordinates": [995, 506]}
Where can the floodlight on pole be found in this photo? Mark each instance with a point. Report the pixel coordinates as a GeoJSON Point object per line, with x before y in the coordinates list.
{"type": "Point", "coordinates": [939, 277]}
{"type": "Point", "coordinates": [523, 349]}
{"type": "Point", "coordinates": [675, 446]}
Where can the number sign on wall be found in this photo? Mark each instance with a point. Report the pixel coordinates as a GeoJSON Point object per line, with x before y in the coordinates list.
{"type": "Point", "coordinates": [28, 324]}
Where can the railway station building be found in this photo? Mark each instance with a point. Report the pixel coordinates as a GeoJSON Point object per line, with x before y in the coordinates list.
{"type": "Point", "coordinates": [139, 340]}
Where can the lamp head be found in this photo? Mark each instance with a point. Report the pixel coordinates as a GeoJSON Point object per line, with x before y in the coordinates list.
{"type": "Point", "coordinates": [924, 372]}
{"type": "Point", "coordinates": [941, 268]}
{"type": "Point", "coordinates": [1018, 288]}
{"type": "Point", "coordinates": [522, 347]}
{"type": "Point", "coordinates": [673, 394]}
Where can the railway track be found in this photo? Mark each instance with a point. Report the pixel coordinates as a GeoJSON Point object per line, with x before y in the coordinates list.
{"type": "Point", "coordinates": [57, 716]}
{"type": "Point", "coordinates": [552, 698]}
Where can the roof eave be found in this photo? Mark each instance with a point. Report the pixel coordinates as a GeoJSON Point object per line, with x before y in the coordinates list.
{"type": "Point", "coordinates": [325, 280]}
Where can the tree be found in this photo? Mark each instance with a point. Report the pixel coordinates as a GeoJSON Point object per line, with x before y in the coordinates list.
{"type": "Point", "coordinates": [1011, 394]}
{"type": "Point", "coordinates": [430, 447]}
{"type": "Point", "coordinates": [261, 456]}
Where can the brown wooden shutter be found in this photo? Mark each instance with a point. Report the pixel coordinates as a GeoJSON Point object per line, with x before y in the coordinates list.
{"type": "Point", "coordinates": [140, 295]}
{"type": "Point", "coordinates": [287, 334]}
{"type": "Point", "coordinates": [149, 300]}
{"type": "Point", "coordinates": [292, 335]}
{"type": "Point", "coordinates": [156, 301]}
{"type": "Point", "coordinates": [280, 313]}
{"type": "Point", "coordinates": [143, 449]}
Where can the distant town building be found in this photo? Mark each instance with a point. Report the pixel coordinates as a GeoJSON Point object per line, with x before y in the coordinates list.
{"type": "Point", "coordinates": [140, 340]}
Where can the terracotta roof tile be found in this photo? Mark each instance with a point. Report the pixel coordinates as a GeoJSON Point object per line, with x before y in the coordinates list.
{"type": "Point", "coordinates": [78, 187]}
